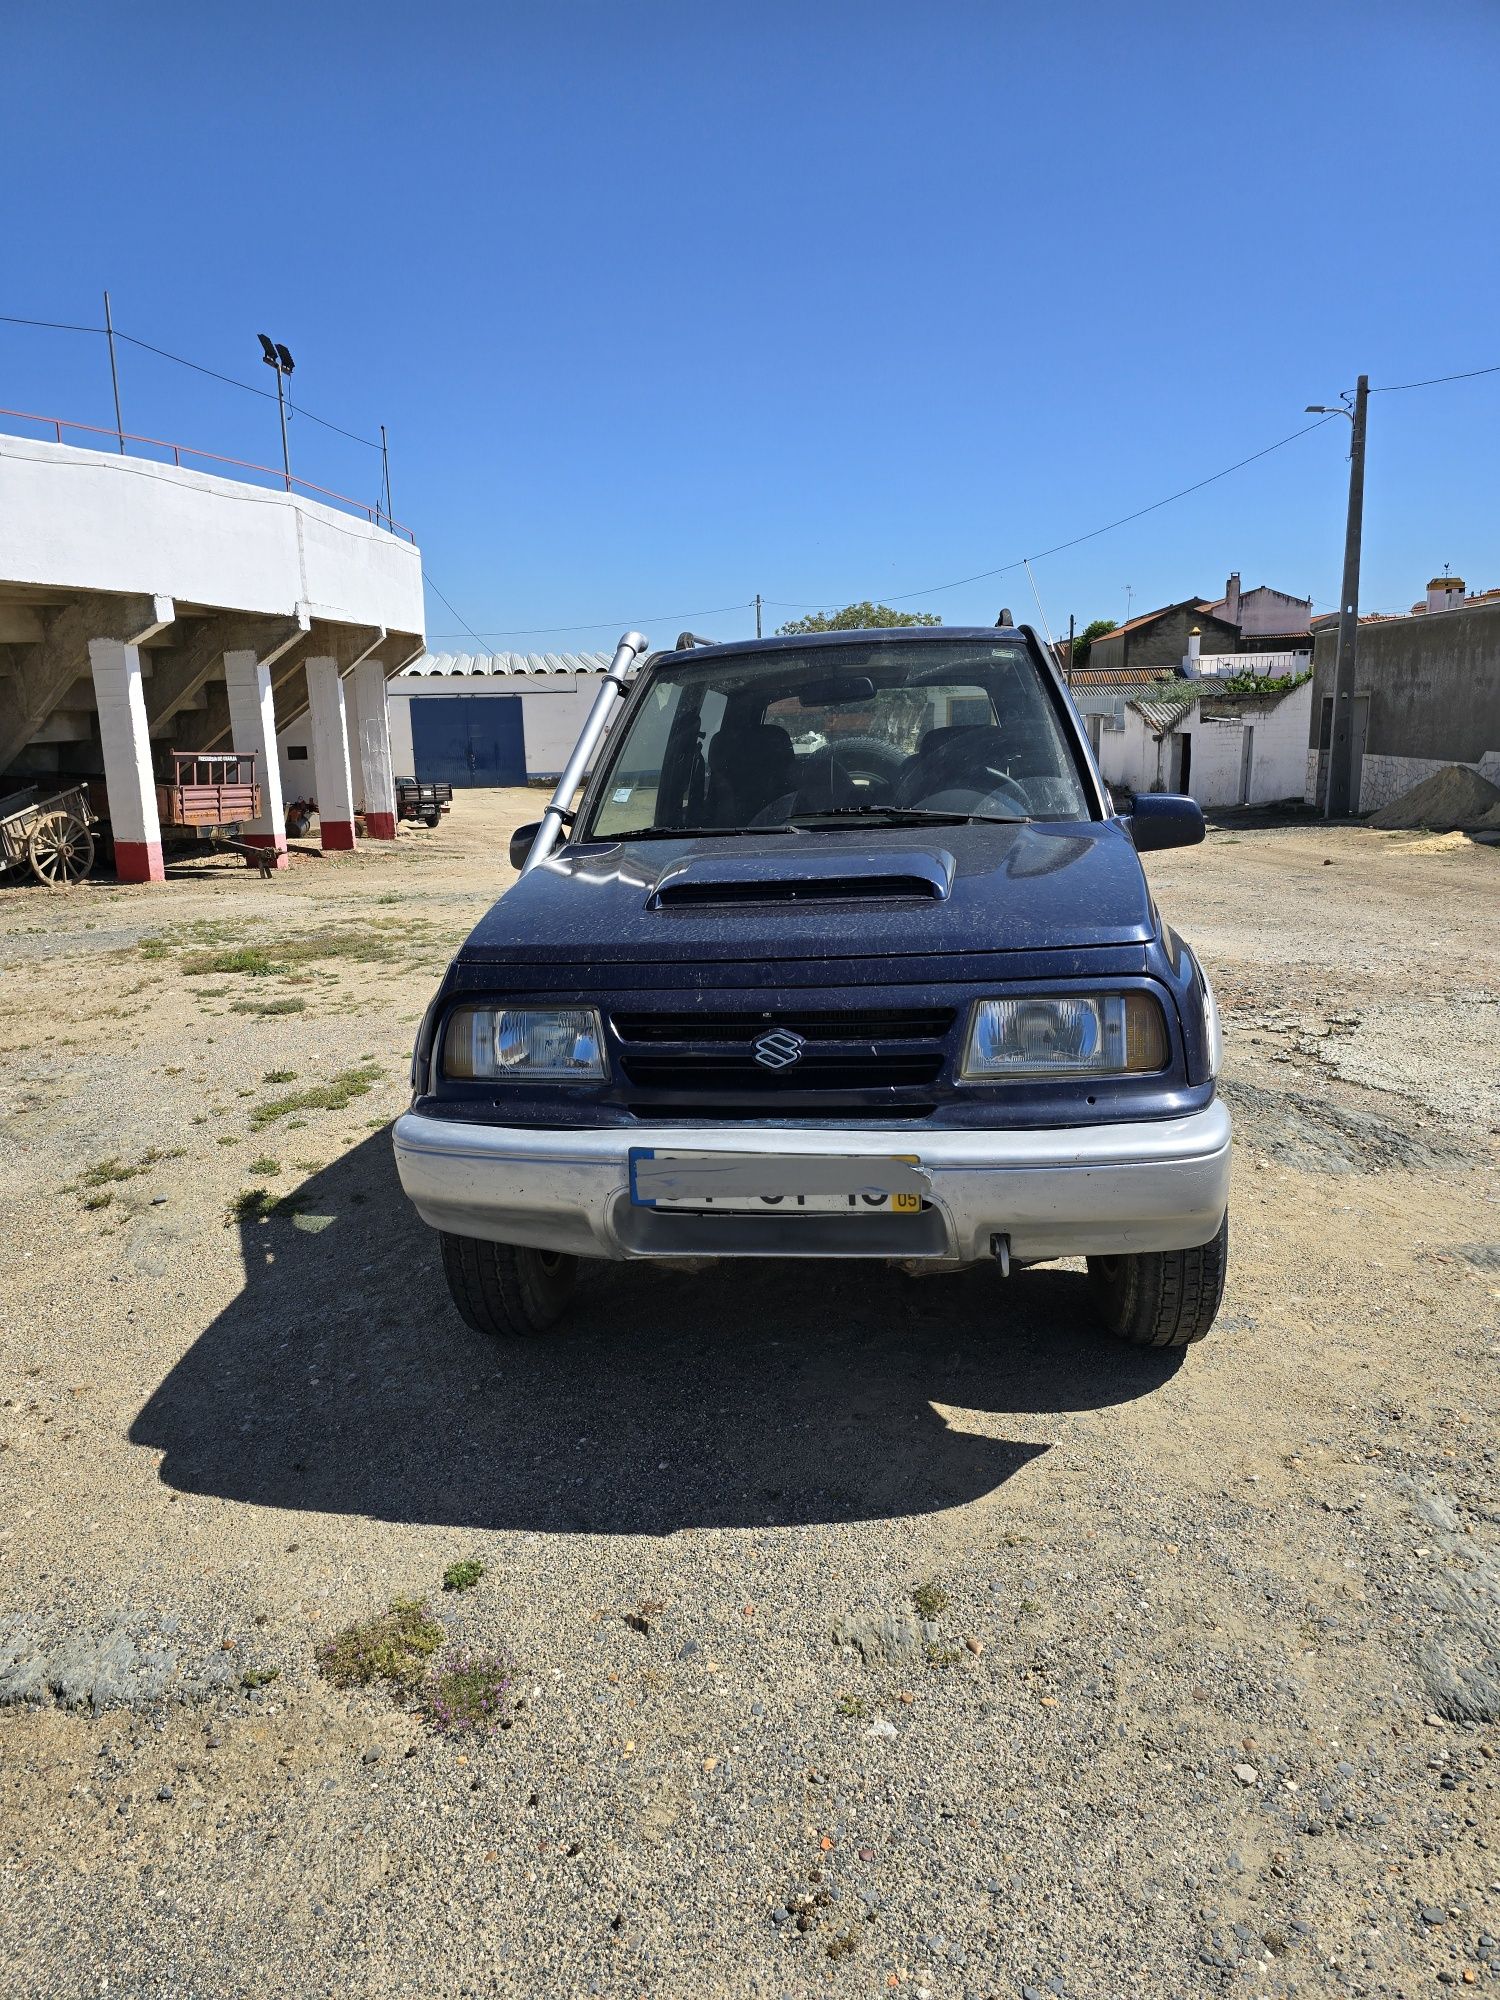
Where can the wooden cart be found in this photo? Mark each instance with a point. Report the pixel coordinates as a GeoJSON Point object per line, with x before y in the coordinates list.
{"type": "Point", "coordinates": [209, 788]}
{"type": "Point", "coordinates": [49, 833]}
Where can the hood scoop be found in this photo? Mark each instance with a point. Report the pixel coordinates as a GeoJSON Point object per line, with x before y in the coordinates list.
{"type": "Point", "coordinates": [890, 876]}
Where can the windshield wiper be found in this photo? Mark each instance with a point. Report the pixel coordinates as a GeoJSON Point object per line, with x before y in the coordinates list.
{"type": "Point", "coordinates": [901, 815]}
{"type": "Point", "coordinates": [690, 832]}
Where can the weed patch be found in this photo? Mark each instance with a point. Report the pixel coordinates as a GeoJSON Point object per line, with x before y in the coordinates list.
{"type": "Point", "coordinates": [930, 1599]}
{"type": "Point", "coordinates": [463, 1575]}
{"type": "Point", "coordinates": [336, 1095]}
{"type": "Point", "coordinates": [265, 1166]}
{"type": "Point", "coordinates": [466, 1694]}
{"type": "Point", "coordinates": [259, 1677]}
{"type": "Point", "coordinates": [854, 1706]}
{"type": "Point", "coordinates": [267, 1006]}
{"type": "Point", "coordinates": [394, 1647]}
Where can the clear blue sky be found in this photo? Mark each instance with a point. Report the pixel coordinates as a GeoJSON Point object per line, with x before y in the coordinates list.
{"type": "Point", "coordinates": [664, 304]}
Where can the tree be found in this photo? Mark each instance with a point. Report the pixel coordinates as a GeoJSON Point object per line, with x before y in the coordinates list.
{"type": "Point", "coordinates": [855, 618]}
{"type": "Point", "coordinates": [1083, 642]}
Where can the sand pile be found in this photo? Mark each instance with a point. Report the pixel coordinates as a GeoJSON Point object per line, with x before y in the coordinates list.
{"type": "Point", "coordinates": [1447, 801]}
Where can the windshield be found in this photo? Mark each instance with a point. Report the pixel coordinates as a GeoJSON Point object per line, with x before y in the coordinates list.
{"type": "Point", "coordinates": [892, 729]}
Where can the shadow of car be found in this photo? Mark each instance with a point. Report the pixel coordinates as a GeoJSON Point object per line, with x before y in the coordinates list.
{"type": "Point", "coordinates": [341, 1380]}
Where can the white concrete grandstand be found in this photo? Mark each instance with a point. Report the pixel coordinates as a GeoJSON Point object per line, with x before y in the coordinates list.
{"type": "Point", "coordinates": [147, 608]}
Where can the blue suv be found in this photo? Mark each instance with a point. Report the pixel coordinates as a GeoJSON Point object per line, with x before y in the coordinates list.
{"type": "Point", "coordinates": [845, 953]}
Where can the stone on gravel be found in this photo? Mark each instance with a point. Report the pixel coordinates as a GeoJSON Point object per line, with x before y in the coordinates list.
{"type": "Point", "coordinates": [883, 1638]}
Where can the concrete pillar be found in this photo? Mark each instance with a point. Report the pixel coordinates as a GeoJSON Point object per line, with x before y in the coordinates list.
{"type": "Point", "coordinates": [373, 733]}
{"type": "Point", "coordinates": [134, 824]}
{"type": "Point", "coordinates": [252, 728]}
{"type": "Point", "coordinates": [330, 748]}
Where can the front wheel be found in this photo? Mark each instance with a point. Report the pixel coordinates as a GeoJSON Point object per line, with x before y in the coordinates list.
{"type": "Point", "coordinates": [504, 1290]}
{"type": "Point", "coordinates": [1162, 1298]}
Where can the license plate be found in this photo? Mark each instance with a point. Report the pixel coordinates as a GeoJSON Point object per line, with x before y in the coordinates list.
{"type": "Point", "coordinates": [771, 1184]}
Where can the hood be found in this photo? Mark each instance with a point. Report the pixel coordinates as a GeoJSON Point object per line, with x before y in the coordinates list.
{"type": "Point", "coordinates": [871, 892]}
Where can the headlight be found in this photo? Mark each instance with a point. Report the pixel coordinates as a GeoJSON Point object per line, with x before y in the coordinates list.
{"type": "Point", "coordinates": [565, 1044]}
{"type": "Point", "coordinates": [1092, 1034]}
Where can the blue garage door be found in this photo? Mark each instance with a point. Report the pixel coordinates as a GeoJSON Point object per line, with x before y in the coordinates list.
{"type": "Point", "coordinates": [469, 740]}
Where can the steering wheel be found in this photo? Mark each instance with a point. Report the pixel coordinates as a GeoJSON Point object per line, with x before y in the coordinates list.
{"type": "Point", "coordinates": [958, 767]}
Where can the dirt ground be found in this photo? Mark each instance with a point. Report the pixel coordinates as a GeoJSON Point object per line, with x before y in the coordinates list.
{"type": "Point", "coordinates": [1205, 1698]}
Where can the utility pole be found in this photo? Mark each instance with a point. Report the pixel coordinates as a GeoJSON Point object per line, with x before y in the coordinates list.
{"type": "Point", "coordinates": [1338, 800]}
{"type": "Point", "coordinates": [757, 614]}
{"type": "Point", "coordinates": [1070, 649]}
{"type": "Point", "coordinates": [114, 373]}
{"type": "Point", "coordinates": [385, 473]}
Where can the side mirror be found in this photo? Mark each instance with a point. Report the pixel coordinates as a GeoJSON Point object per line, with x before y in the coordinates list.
{"type": "Point", "coordinates": [522, 838]}
{"type": "Point", "coordinates": [1164, 819]}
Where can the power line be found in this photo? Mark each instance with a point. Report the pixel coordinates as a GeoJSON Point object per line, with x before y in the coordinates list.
{"type": "Point", "coordinates": [1057, 548]}
{"type": "Point", "coordinates": [247, 387]}
{"type": "Point", "coordinates": [1468, 374]}
{"type": "Point", "coordinates": [443, 600]}
{"type": "Point", "coordinates": [233, 381]}
{"type": "Point", "coordinates": [56, 325]}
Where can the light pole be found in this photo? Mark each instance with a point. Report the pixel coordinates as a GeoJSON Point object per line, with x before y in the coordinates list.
{"type": "Point", "coordinates": [1338, 795]}
{"type": "Point", "coordinates": [276, 356]}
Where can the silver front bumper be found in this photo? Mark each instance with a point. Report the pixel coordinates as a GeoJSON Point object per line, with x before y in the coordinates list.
{"type": "Point", "coordinates": [1092, 1190]}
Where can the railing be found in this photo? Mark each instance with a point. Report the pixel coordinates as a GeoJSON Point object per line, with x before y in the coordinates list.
{"type": "Point", "coordinates": [1221, 666]}
{"type": "Point", "coordinates": [57, 425]}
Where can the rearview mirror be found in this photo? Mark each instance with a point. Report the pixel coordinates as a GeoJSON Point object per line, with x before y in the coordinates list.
{"type": "Point", "coordinates": [521, 842]}
{"type": "Point", "coordinates": [834, 693]}
{"type": "Point", "coordinates": [1164, 819]}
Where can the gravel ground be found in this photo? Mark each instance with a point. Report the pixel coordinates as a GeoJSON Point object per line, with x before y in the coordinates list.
{"type": "Point", "coordinates": [869, 1634]}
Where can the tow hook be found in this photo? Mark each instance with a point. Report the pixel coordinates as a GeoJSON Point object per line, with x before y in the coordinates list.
{"type": "Point", "coordinates": [1000, 1251]}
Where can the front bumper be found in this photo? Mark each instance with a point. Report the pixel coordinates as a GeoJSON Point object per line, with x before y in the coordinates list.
{"type": "Point", "coordinates": [1090, 1190]}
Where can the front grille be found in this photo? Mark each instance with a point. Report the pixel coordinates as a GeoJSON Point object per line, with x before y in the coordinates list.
{"type": "Point", "coordinates": [700, 1056]}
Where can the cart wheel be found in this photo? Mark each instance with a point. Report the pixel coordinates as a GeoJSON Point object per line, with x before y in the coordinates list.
{"type": "Point", "coordinates": [60, 849]}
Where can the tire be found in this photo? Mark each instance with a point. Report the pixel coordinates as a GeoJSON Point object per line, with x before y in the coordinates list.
{"type": "Point", "coordinates": [432, 816]}
{"type": "Point", "coordinates": [505, 1291]}
{"type": "Point", "coordinates": [1163, 1298]}
{"type": "Point", "coordinates": [297, 824]}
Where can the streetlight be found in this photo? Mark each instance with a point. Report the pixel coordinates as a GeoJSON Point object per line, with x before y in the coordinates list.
{"type": "Point", "coordinates": [276, 356]}
{"type": "Point", "coordinates": [1338, 797]}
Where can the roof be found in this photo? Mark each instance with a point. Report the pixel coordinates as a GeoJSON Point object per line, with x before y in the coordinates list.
{"type": "Point", "coordinates": [1119, 677]}
{"type": "Point", "coordinates": [1164, 713]}
{"type": "Point", "coordinates": [505, 663]}
{"type": "Point", "coordinates": [1150, 617]}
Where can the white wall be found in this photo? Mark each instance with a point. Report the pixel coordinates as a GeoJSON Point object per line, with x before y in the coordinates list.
{"type": "Point", "coordinates": [91, 520]}
{"type": "Point", "coordinates": [1132, 756]}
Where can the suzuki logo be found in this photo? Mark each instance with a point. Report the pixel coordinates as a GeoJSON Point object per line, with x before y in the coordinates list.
{"type": "Point", "coordinates": [779, 1049]}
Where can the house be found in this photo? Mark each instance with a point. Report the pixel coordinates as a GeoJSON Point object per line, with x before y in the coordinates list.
{"type": "Point", "coordinates": [1221, 749]}
{"type": "Point", "coordinates": [1426, 694]}
{"type": "Point", "coordinates": [1159, 638]}
{"type": "Point", "coordinates": [1269, 620]}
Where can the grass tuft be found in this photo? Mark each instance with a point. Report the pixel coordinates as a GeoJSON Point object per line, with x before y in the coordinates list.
{"type": "Point", "coordinates": [259, 1677]}
{"type": "Point", "coordinates": [463, 1575]}
{"type": "Point", "coordinates": [394, 1647]}
{"type": "Point", "coordinates": [930, 1599]}
{"type": "Point", "coordinates": [265, 1165]}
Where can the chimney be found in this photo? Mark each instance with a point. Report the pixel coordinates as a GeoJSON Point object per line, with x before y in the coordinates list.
{"type": "Point", "coordinates": [1232, 599]}
{"type": "Point", "coordinates": [1194, 652]}
{"type": "Point", "coordinates": [1444, 593]}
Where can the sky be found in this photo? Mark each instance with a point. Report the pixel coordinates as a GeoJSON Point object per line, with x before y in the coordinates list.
{"type": "Point", "coordinates": [664, 305]}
